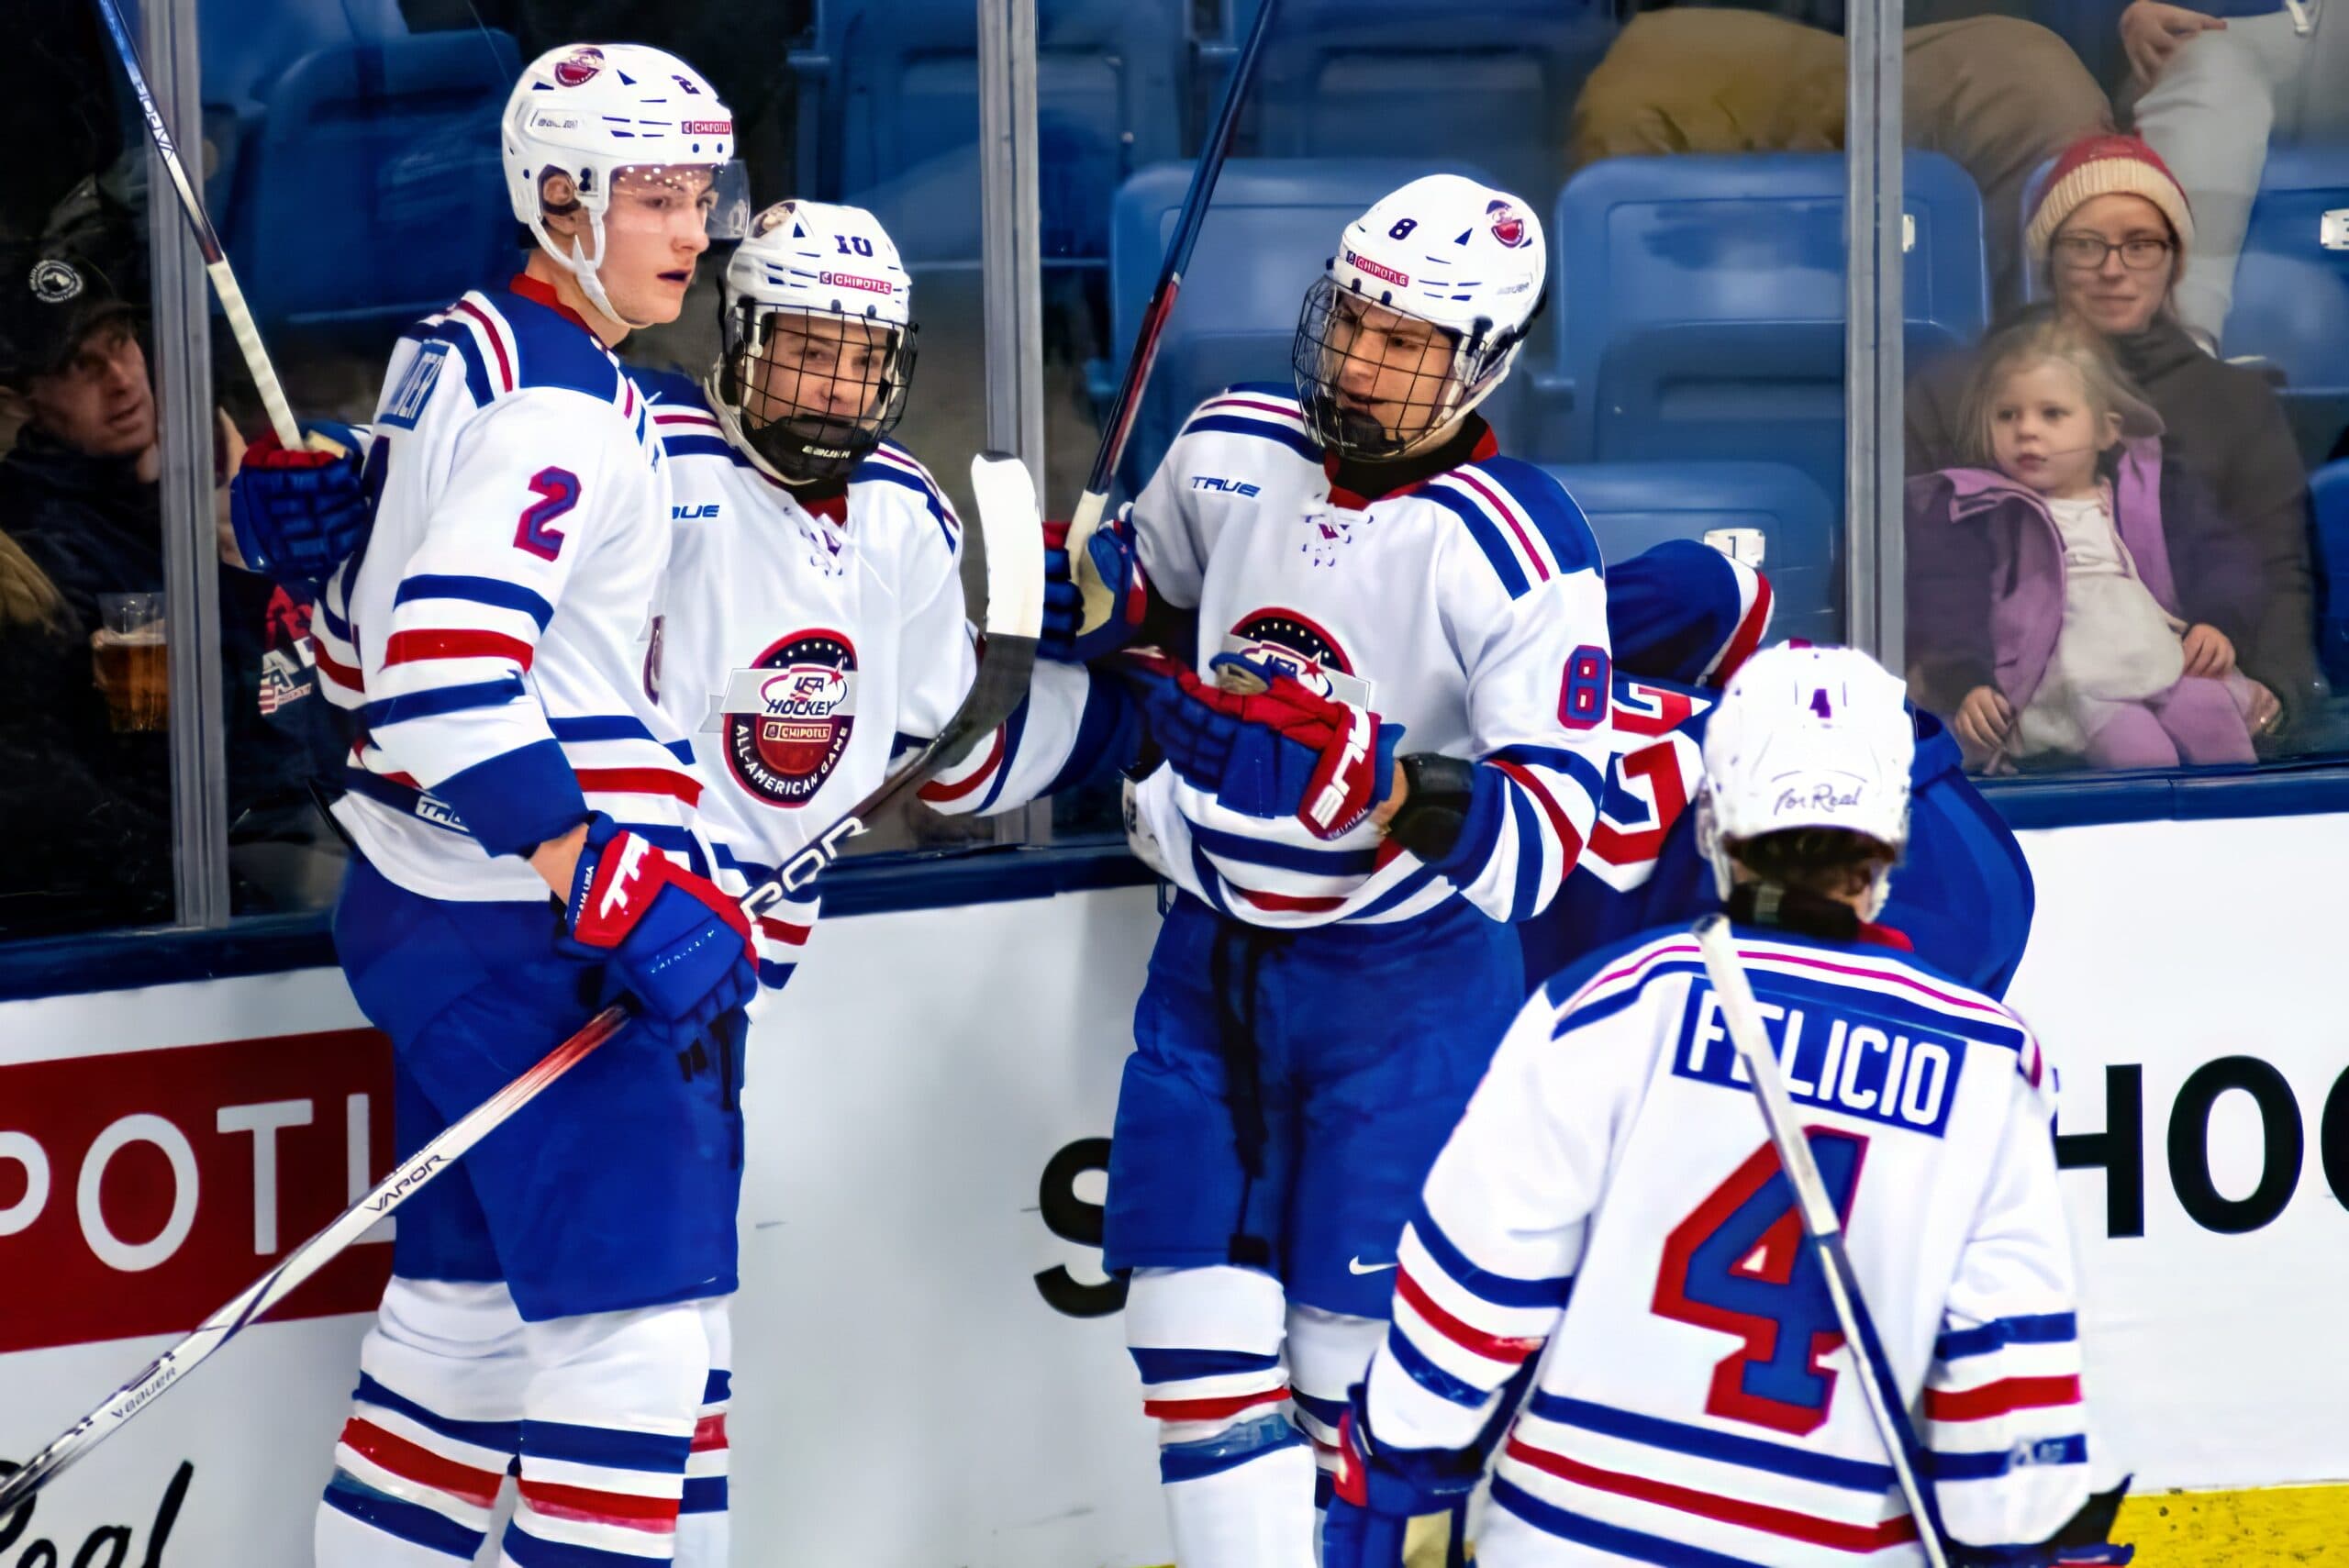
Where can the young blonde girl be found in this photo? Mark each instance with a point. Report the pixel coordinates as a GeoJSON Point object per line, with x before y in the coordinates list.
{"type": "Point", "coordinates": [2070, 593]}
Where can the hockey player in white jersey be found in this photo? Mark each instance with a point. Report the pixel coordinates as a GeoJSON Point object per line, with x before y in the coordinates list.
{"type": "Point", "coordinates": [1610, 1214]}
{"type": "Point", "coordinates": [815, 622]}
{"type": "Point", "coordinates": [1385, 749]}
{"type": "Point", "coordinates": [528, 853]}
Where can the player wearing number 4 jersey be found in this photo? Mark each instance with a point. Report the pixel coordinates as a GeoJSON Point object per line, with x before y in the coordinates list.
{"type": "Point", "coordinates": [1384, 750]}
{"type": "Point", "coordinates": [528, 852]}
{"type": "Point", "coordinates": [1611, 1213]}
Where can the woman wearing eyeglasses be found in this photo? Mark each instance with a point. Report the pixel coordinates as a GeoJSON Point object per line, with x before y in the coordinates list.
{"type": "Point", "coordinates": [2110, 233]}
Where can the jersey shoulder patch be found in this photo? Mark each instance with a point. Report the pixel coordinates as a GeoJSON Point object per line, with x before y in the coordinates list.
{"type": "Point", "coordinates": [1612, 976]}
{"type": "Point", "coordinates": [1523, 521]}
{"type": "Point", "coordinates": [891, 464]}
{"type": "Point", "coordinates": [546, 349]}
{"type": "Point", "coordinates": [1265, 411]}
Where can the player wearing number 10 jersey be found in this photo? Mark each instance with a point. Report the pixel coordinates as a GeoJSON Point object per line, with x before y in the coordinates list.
{"type": "Point", "coordinates": [1611, 1213]}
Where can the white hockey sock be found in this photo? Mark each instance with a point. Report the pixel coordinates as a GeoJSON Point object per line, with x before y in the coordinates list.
{"type": "Point", "coordinates": [607, 1424]}
{"type": "Point", "coordinates": [434, 1425]}
{"type": "Point", "coordinates": [1238, 1478]}
{"type": "Point", "coordinates": [703, 1536]}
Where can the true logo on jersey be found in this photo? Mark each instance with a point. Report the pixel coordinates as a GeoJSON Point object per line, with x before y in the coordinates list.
{"type": "Point", "coordinates": [1289, 641]}
{"type": "Point", "coordinates": [579, 67]}
{"type": "Point", "coordinates": [690, 514]}
{"type": "Point", "coordinates": [1886, 1070]}
{"type": "Point", "coordinates": [786, 722]}
{"type": "Point", "coordinates": [1229, 486]}
{"type": "Point", "coordinates": [1508, 224]}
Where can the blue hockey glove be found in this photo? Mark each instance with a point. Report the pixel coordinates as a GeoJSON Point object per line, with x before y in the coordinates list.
{"type": "Point", "coordinates": [1377, 1496]}
{"type": "Point", "coordinates": [673, 940]}
{"type": "Point", "coordinates": [299, 514]}
{"type": "Point", "coordinates": [1264, 744]}
{"type": "Point", "coordinates": [1116, 560]}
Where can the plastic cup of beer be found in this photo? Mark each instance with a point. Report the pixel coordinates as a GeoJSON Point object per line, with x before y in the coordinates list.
{"type": "Point", "coordinates": [128, 649]}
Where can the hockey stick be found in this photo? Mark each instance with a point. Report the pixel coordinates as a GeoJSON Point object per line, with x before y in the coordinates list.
{"type": "Point", "coordinates": [1825, 1229]}
{"type": "Point", "coordinates": [207, 239]}
{"type": "Point", "coordinates": [1099, 604]}
{"type": "Point", "coordinates": [1013, 529]}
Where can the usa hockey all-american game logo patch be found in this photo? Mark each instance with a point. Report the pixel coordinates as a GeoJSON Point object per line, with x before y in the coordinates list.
{"type": "Point", "coordinates": [786, 722]}
{"type": "Point", "coordinates": [1290, 641]}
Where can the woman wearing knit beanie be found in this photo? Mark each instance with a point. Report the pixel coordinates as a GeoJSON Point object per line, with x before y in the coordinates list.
{"type": "Point", "coordinates": [2108, 238]}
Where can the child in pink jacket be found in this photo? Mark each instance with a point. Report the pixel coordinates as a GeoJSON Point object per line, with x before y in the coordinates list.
{"type": "Point", "coordinates": [2073, 596]}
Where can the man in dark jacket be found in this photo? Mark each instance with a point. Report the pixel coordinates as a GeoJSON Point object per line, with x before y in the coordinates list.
{"type": "Point", "coordinates": [78, 496]}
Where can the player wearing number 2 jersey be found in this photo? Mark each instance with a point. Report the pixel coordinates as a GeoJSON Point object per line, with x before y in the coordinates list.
{"type": "Point", "coordinates": [1385, 749]}
{"type": "Point", "coordinates": [1611, 1213]}
{"type": "Point", "coordinates": [528, 852]}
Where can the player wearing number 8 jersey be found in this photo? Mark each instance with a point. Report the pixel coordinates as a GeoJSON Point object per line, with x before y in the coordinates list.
{"type": "Point", "coordinates": [1610, 1212]}
{"type": "Point", "coordinates": [1384, 749]}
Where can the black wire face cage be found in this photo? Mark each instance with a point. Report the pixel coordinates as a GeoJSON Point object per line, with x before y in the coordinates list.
{"type": "Point", "coordinates": [1375, 383]}
{"type": "Point", "coordinates": [814, 392]}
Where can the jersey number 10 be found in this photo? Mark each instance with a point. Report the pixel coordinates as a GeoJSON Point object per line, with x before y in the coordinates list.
{"type": "Point", "coordinates": [1739, 1265]}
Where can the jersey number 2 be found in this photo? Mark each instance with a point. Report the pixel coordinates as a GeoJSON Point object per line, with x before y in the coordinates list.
{"type": "Point", "coordinates": [1739, 1265]}
{"type": "Point", "coordinates": [557, 490]}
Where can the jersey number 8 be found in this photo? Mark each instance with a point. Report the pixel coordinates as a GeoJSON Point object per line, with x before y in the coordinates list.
{"type": "Point", "coordinates": [1739, 1265]}
{"type": "Point", "coordinates": [1583, 695]}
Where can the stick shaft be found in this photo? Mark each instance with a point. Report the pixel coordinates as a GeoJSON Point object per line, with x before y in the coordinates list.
{"type": "Point", "coordinates": [239, 314]}
{"type": "Point", "coordinates": [1823, 1227]}
{"type": "Point", "coordinates": [1127, 407]}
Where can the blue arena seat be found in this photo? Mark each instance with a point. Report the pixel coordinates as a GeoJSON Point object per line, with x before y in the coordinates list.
{"type": "Point", "coordinates": [1492, 82]}
{"type": "Point", "coordinates": [2291, 303]}
{"type": "Point", "coordinates": [2328, 505]}
{"type": "Point", "coordinates": [1698, 304]}
{"type": "Point", "coordinates": [1633, 505]}
{"type": "Point", "coordinates": [373, 190]}
{"type": "Point", "coordinates": [903, 84]}
{"type": "Point", "coordinates": [1268, 234]}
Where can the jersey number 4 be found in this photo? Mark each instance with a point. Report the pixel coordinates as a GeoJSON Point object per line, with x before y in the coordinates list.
{"type": "Point", "coordinates": [1739, 1265]}
{"type": "Point", "coordinates": [557, 490]}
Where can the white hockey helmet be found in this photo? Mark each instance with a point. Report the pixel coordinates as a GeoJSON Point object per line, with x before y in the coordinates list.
{"type": "Point", "coordinates": [816, 347]}
{"type": "Point", "coordinates": [1807, 738]}
{"type": "Point", "coordinates": [1464, 257]}
{"type": "Point", "coordinates": [590, 111]}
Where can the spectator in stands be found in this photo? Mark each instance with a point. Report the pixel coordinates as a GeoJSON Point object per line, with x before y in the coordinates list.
{"type": "Point", "coordinates": [1998, 95]}
{"type": "Point", "coordinates": [79, 497]}
{"type": "Point", "coordinates": [91, 848]}
{"type": "Point", "coordinates": [2113, 230]}
{"type": "Point", "coordinates": [2069, 594]}
{"type": "Point", "coordinates": [2221, 82]}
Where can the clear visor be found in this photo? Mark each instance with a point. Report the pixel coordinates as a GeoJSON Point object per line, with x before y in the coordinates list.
{"type": "Point", "coordinates": [720, 193]}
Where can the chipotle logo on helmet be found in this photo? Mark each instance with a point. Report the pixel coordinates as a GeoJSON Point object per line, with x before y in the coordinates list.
{"type": "Point", "coordinates": [579, 67]}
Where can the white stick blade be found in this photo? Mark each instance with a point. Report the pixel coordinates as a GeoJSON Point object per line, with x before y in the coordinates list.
{"type": "Point", "coordinates": [1013, 527]}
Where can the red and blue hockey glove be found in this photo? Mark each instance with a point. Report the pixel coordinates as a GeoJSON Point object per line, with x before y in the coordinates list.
{"type": "Point", "coordinates": [299, 514]}
{"type": "Point", "coordinates": [1264, 744]}
{"type": "Point", "coordinates": [673, 940]}
{"type": "Point", "coordinates": [1377, 1498]}
{"type": "Point", "coordinates": [1118, 560]}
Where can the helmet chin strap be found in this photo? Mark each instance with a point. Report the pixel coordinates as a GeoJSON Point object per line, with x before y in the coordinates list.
{"type": "Point", "coordinates": [584, 272]}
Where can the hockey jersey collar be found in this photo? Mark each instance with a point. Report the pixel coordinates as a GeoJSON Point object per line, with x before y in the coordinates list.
{"type": "Point", "coordinates": [1354, 486]}
{"type": "Point", "coordinates": [538, 292]}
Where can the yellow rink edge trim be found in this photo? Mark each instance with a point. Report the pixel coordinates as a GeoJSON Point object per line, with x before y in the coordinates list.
{"type": "Point", "coordinates": [2305, 1527]}
{"type": "Point", "coordinates": [2246, 1528]}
